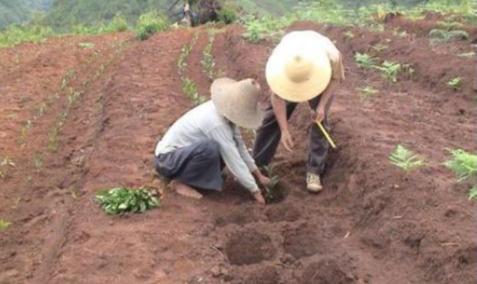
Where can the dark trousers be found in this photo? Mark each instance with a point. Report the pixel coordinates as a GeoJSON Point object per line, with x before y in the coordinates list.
{"type": "Point", "coordinates": [198, 165]}
{"type": "Point", "coordinates": [269, 134]}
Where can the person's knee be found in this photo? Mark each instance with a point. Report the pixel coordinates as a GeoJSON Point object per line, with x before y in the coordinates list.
{"type": "Point", "coordinates": [210, 148]}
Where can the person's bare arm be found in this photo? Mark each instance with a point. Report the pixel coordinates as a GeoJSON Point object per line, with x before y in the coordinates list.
{"type": "Point", "coordinates": [325, 101]}
{"type": "Point", "coordinates": [280, 110]}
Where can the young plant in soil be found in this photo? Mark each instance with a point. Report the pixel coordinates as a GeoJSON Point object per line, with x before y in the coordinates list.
{"type": "Point", "coordinates": [364, 60]}
{"type": "Point", "coordinates": [121, 200]}
{"type": "Point", "coordinates": [464, 165]}
{"type": "Point", "coordinates": [455, 84]}
{"type": "Point", "coordinates": [367, 92]}
{"type": "Point", "coordinates": [207, 61]}
{"type": "Point", "coordinates": [405, 159]}
{"type": "Point", "coordinates": [272, 192]}
{"type": "Point", "coordinates": [4, 224]}
{"type": "Point", "coordinates": [389, 70]}
{"type": "Point", "coordinates": [4, 165]}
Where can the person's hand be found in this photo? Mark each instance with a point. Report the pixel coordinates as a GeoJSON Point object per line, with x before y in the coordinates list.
{"type": "Point", "coordinates": [263, 180]}
{"type": "Point", "coordinates": [319, 114]}
{"type": "Point", "coordinates": [287, 140]}
{"type": "Point", "coordinates": [258, 197]}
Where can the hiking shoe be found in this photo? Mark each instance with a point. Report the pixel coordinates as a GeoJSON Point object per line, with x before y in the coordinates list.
{"type": "Point", "coordinates": [313, 183]}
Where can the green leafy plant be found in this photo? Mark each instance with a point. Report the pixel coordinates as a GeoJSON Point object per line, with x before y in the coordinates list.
{"type": "Point", "coordinates": [227, 15]}
{"type": "Point", "coordinates": [150, 23]}
{"type": "Point", "coordinates": [14, 35]}
{"type": "Point", "coordinates": [207, 61]}
{"type": "Point", "coordinates": [121, 200]}
{"type": "Point", "coordinates": [182, 61]}
{"type": "Point", "coordinates": [272, 192]}
{"type": "Point", "coordinates": [455, 83]}
{"type": "Point", "coordinates": [117, 24]}
{"type": "Point", "coordinates": [405, 159]}
{"type": "Point", "coordinates": [472, 193]}
{"type": "Point", "coordinates": [367, 92]}
{"type": "Point", "coordinates": [4, 224]}
{"type": "Point", "coordinates": [464, 166]}
{"type": "Point", "coordinates": [364, 60]}
{"type": "Point", "coordinates": [190, 90]}
{"type": "Point", "coordinates": [265, 27]}
{"type": "Point", "coordinates": [389, 70]}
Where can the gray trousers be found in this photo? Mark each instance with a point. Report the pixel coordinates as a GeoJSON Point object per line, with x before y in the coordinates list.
{"type": "Point", "coordinates": [269, 134]}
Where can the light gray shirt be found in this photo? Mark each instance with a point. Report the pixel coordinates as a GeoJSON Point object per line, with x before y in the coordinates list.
{"type": "Point", "coordinates": [204, 122]}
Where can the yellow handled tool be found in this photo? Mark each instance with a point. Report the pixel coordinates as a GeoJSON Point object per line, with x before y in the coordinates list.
{"type": "Point", "coordinates": [327, 135]}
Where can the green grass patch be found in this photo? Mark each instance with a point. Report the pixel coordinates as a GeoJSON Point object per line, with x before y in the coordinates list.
{"type": "Point", "coordinates": [14, 35]}
{"type": "Point", "coordinates": [120, 200]}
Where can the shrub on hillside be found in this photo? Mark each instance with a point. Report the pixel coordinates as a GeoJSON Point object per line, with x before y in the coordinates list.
{"type": "Point", "coordinates": [150, 23]}
{"type": "Point", "coordinates": [117, 24]}
{"type": "Point", "coordinates": [227, 15]}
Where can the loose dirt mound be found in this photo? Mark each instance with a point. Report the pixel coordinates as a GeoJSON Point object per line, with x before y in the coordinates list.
{"type": "Point", "coordinates": [372, 223]}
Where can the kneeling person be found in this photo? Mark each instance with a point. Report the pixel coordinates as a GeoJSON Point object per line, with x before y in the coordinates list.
{"type": "Point", "coordinates": [192, 150]}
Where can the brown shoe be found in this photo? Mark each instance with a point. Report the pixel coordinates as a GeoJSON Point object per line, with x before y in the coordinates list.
{"type": "Point", "coordinates": [185, 190]}
{"type": "Point", "coordinates": [313, 183]}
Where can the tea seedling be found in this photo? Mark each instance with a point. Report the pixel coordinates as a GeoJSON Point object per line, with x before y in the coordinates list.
{"type": "Point", "coordinates": [364, 60]}
{"type": "Point", "coordinates": [4, 224]}
{"type": "Point", "coordinates": [86, 45]}
{"type": "Point", "coordinates": [473, 193]}
{"type": "Point", "coordinates": [121, 200]}
{"type": "Point", "coordinates": [367, 92]}
{"type": "Point", "coordinates": [467, 54]}
{"type": "Point", "coordinates": [349, 34]}
{"type": "Point", "coordinates": [380, 47]}
{"type": "Point", "coordinates": [464, 165]}
{"type": "Point", "coordinates": [207, 61]}
{"type": "Point", "coordinates": [182, 61]}
{"type": "Point", "coordinates": [271, 191]}
{"type": "Point", "coordinates": [405, 159]}
{"type": "Point", "coordinates": [389, 70]}
{"type": "Point", "coordinates": [455, 83]}
{"type": "Point", "coordinates": [190, 90]}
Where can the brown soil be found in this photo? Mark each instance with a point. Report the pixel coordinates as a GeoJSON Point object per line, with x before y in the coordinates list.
{"type": "Point", "coordinates": [372, 223]}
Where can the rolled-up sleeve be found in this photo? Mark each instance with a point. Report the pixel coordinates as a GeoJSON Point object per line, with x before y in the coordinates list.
{"type": "Point", "coordinates": [244, 153]}
{"type": "Point", "coordinates": [229, 150]}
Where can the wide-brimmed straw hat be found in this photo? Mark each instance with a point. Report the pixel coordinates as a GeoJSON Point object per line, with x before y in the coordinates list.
{"type": "Point", "coordinates": [238, 101]}
{"type": "Point", "coordinates": [299, 67]}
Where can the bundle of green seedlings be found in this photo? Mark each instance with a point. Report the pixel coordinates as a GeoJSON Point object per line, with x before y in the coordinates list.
{"type": "Point", "coordinates": [405, 159]}
{"type": "Point", "coordinates": [120, 200]}
{"type": "Point", "coordinates": [464, 165]}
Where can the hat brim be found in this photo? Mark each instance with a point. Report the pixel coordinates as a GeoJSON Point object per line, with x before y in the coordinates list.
{"type": "Point", "coordinates": [318, 79]}
{"type": "Point", "coordinates": [224, 95]}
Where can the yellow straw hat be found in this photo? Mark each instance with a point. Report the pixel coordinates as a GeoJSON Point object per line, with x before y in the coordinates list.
{"type": "Point", "coordinates": [299, 67]}
{"type": "Point", "coordinates": [238, 101]}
